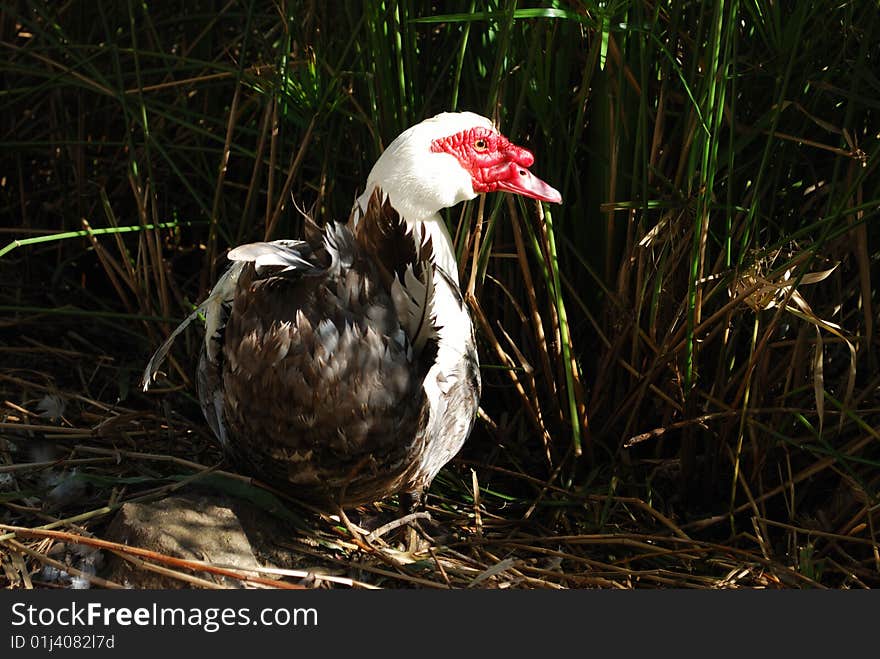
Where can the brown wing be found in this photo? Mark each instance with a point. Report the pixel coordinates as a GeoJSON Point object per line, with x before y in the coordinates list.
{"type": "Point", "coordinates": [318, 387]}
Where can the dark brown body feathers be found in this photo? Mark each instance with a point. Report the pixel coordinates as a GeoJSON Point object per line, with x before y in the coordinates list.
{"type": "Point", "coordinates": [317, 385]}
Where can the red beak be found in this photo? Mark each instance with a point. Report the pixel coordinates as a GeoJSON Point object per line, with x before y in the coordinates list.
{"type": "Point", "coordinates": [514, 176]}
{"type": "Point", "coordinates": [521, 181]}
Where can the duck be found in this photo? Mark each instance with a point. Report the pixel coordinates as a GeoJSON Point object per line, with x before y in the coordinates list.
{"type": "Point", "coordinates": [342, 368]}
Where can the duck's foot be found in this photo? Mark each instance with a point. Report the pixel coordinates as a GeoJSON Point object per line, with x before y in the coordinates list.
{"type": "Point", "coordinates": [415, 539]}
{"type": "Point", "coordinates": [404, 530]}
{"type": "Point", "coordinates": [412, 536]}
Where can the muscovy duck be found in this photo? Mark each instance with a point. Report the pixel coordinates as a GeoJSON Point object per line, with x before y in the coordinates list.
{"type": "Point", "coordinates": [343, 367]}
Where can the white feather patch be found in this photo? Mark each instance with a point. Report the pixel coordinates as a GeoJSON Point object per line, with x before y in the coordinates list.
{"type": "Point", "coordinates": [283, 253]}
{"type": "Point", "coordinates": [212, 307]}
{"type": "Point", "coordinates": [414, 301]}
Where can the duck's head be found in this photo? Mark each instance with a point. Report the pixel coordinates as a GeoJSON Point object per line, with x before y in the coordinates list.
{"type": "Point", "coordinates": [451, 158]}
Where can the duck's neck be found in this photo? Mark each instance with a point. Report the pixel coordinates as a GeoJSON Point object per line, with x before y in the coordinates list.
{"type": "Point", "coordinates": [434, 228]}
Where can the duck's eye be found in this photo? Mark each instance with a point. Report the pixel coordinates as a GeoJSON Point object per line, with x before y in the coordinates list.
{"type": "Point", "coordinates": [480, 145]}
